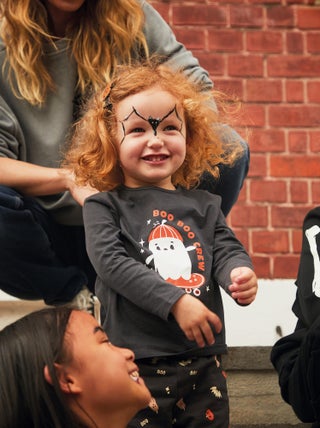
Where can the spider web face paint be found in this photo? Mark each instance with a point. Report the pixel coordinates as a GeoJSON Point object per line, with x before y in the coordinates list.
{"type": "Point", "coordinates": [154, 122]}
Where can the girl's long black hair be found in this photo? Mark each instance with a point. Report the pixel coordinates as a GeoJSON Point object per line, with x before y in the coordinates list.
{"type": "Point", "coordinates": [26, 399]}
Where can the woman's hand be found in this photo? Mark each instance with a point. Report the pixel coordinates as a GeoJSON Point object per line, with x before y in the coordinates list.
{"type": "Point", "coordinates": [79, 193]}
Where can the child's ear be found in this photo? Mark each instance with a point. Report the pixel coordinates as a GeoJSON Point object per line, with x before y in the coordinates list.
{"type": "Point", "coordinates": [68, 383]}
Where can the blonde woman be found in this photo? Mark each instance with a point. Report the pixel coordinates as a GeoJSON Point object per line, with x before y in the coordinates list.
{"type": "Point", "coordinates": [52, 54]}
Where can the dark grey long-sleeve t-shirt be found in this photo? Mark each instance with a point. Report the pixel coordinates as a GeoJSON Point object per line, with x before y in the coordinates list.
{"type": "Point", "coordinates": [149, 246]}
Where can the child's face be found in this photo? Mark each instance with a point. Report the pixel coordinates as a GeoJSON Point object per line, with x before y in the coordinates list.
{"type": "Point", "coordinates": [151, 138]}
{"type": "Point", "coordinates": [106, 375]}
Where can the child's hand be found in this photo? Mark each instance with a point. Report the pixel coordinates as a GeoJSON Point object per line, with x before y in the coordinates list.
{"type": "Point", "coordinates": [244, 285]}
{"type": "Point", "coordinates": [196, 320]}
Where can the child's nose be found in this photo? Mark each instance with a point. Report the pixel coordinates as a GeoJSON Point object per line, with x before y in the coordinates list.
{"type": "Point", "coordinates": [155, 141]}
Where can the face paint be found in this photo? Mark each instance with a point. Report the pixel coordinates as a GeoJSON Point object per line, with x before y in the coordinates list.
{"type": "Point", "coordinates": [154, 122]}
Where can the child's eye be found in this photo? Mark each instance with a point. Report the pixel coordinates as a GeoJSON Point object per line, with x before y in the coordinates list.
{"type": "Point", "coordinates": [171, 128]}
{"type": "Point", "coordinates": [137, 130]}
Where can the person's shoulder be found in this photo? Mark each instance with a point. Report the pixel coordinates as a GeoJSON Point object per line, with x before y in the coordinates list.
{"type": "Point", "coordinates": [312, 217]}
{"type": "Point", "coordinates": [148, 9]}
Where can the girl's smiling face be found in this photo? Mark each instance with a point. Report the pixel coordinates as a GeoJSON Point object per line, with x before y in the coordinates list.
{"type": "Point", "coordinates": [106, 377]}
{"type": "Point", "coordinates": [151, 138]}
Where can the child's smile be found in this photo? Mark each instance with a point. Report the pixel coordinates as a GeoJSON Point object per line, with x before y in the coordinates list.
{"type": "Point", "coordinates": [151, 136]}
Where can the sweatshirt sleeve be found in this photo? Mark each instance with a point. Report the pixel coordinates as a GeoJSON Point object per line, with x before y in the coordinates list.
{"type": "Point", "coordinates": [119, 270]}
{"type": "Point", "coordinates": [226, 244]}
{"type": "Point", "coordinates": [162, 41]}
{"type": "Point", "coordinates": [11, 136]}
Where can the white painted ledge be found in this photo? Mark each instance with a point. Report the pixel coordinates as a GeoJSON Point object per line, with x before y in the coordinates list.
{"type": "Point", "coordinates": [258, 323]}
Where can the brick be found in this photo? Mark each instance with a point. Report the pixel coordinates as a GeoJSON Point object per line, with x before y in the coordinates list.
{"type": "Point", "coordinates": [313, 91]}
{"type": "Point", "coordinates": [261, 90]}
{"type": "Point", "coordinates": [315, 141]}
{"type": "Point", "coordinates": [293, 116]}
{"type": "Point", "coordinates": [293, 66]}
{"type": "Point", "coordinates": [191, 38]}
{"type": "Point", "coordinates": [315, 192]}
{"type": "Point", "coordinates": [214, 64]}
{"type": "Point", "coordinates": [299, 191]}
{"type": "Point", "coordinates": [280, 16]}
{"type": "Point", "coordinates": [269, 140]}
{"type": "Point", "coordinates": [296, 240]}
{"type": "Point", "coordinates": [200, 15]}
{"type": "Point", "coordinates": [246, 16]}
{"type": "Point", "coordinates": [304, 2]}
{"type": "Point", "coordinates": [286, 266]}
{"type": "Point", "coordinates": [225, 40]}
{"type": "Point", "coordinates": [246, 66]}
{"type": "Point", "coordinates": [294, 91]}
{"type": "Point", "coordinates": [273, 191]}
{"type": "Point", "coordinates": [265, 2]}
{"type": "Point", "coordinates": [233, 87]}
{"type": "Point", "coordinates": [270, 242]}
{"type": "Point", "coordinates": [308, 17]}
{"type": "Point", "coordinates": [249, 216]}
{"type": "Point", "coordinates": [253, 115]}
{"type": "Point", "coordinates": [294, 165]}
{"type": "Point", "coordinates": [264, 41]}
{"type": "Point", "coordinates": [294, 42]}
{"type": "Point", "coordinates": [313, 41]}
{"type": "Point", "coordinates": [258, 166]}
{"type": "Point", "coordinates": [298, 141]}
{"type": "Point", "coordinates": [261, 266]}
{"type": "Point", "coordinates": [288, 216]}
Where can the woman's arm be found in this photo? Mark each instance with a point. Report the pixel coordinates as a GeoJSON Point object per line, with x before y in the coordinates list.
{"type": "Point", "coordinates": [32, 180]}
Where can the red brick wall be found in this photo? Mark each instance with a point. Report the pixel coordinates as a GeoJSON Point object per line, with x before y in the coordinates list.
{"type": "Point", "coordinates": [267, 52]}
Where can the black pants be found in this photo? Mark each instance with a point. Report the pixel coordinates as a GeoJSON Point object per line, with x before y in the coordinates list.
{"type": "Point", "coordinates": [190, 393]}
{"type": "Point", "coordinates": [40, 259]}
{"type": "Point", "coordinates": [297, 360]}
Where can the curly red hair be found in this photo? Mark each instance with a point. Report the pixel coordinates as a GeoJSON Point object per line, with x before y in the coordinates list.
{"type": "Point", "coordinates": [93, 154]}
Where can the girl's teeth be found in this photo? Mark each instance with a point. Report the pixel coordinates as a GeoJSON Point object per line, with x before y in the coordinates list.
{"type": "Point", "coordinates": [155, 158]}
{"type": "Point", "coordinates": [134, 376]}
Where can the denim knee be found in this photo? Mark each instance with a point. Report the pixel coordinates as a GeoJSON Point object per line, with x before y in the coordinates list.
{"type": "Point", "coordinates": [10, 198]}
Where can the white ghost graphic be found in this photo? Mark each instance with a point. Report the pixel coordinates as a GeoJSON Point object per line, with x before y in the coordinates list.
{"type": "Point", "coordinates": [171, 258]}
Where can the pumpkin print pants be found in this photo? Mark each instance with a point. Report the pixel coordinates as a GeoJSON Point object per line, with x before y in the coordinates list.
{"type": "Point", "coordinates": [189, 393]}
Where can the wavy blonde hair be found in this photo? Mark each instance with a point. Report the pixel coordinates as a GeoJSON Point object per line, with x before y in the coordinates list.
{"type": "Point", "coordinates": [104, 34]}
{"type": "Point", "coordinates": [93, 153]}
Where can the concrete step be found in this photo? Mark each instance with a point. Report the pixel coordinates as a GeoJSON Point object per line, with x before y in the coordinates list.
{"type": "Point", "coordinates": [255, 399]}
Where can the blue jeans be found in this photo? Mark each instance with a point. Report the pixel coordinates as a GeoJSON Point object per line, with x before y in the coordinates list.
{"type": "Point", "coordinates": [40, 259]}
